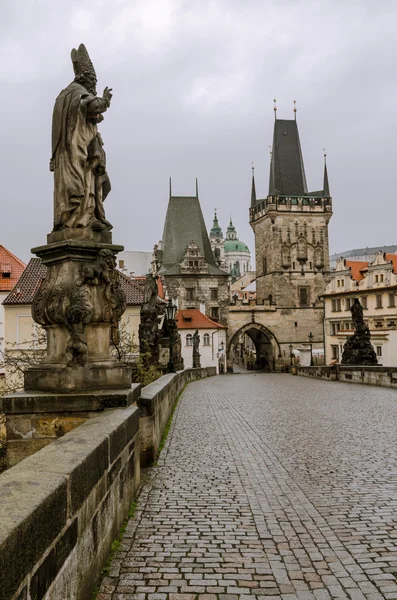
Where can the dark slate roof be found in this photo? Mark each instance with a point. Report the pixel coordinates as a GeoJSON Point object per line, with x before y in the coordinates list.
{"type": "Point", "coordinates": [27, 285]}
{"type": "Point", "coordinates": [287, 172]}
{"type": "Point", "coordinates": [133, 289]}
{"type": "Point", "coordinates": [253, 191]}
{"type": "Point", "coordinates": [326, 184]}
{"type": "Point", "coordinates": [184, 224]}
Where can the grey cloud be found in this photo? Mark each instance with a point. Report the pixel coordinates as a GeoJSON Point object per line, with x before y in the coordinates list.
{"type": "Point", "coordinates": [194, 84]}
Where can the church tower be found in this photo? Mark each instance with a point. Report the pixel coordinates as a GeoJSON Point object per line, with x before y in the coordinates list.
{"type": "Point", "coordinates": [291, 238]}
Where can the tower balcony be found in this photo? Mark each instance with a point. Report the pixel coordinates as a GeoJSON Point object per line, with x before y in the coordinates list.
{"type": "Point", "coordinates": [290, 204]}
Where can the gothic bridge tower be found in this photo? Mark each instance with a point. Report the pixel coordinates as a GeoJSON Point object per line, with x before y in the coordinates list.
{"type": "Point", "coordinates": [291, 249]}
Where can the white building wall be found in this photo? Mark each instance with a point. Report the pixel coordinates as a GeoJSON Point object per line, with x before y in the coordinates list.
{"type": "Point", "coordinates": [209, 355]}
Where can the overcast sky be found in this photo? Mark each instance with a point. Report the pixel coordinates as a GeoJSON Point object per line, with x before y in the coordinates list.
{"type": "Point", "coordinates": [193, 84]}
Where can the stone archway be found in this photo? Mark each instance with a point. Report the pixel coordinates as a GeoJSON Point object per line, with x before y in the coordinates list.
{"type": "Point", "coordinates": [265, 348]}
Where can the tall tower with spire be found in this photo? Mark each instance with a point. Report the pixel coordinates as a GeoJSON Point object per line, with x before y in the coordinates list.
{"type": "Point", "coordinates": [291, 241]}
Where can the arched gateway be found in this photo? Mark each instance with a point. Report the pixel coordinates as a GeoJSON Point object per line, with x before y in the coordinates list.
{"type": "Point", "coordinates": [259, 353]}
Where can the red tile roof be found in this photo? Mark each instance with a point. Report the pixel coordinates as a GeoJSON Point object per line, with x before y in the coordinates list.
{"type": "Point", "coordinates": [9, 263]}
{"type": "Point", "coordinates": [24, 291]}
{"type": "Point", "coordinates": [393, 258]}
{"type": "Point", "coordinates": [356, 266]}
{"type": "Point", "coordinates": [194, 319]}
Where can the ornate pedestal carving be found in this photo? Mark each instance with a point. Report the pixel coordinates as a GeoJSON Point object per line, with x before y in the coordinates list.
{"type": "Point", "coordinates": [78, 303]}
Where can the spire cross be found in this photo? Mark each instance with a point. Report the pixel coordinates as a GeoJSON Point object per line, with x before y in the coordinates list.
{"type": "Point", "coordinates": [253, 169]}
{"type": "Point", "coordinates": [275, 109]}
{"type": "Point", "coordinates": [325, 156]}
{"type": "Point", "coordinates": [295, 109]}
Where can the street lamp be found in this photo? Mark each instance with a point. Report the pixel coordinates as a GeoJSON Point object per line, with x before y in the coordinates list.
{"type": "Point", "coordinates": [290, 354]}
{"type": "Point", "coordinates": [311, 337]}
{"type": "Point", "coordinates": [170, 313]}
{"type": "Point", "coordinates": [222, 346]}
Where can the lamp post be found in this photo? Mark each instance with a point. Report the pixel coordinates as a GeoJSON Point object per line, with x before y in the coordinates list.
{"type": "Point", "coordinates": [311, 337]}
{"type": "Point", "coordinates": [290, 355]}
{"type": "Point", "coordinates": [170, 312]}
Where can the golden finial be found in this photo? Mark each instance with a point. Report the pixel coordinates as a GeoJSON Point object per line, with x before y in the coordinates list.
{"type": "Point", "coordinates": [253, 168]}
{"type": "Point", "coordinates": [295, 109]}
{"type": "Point", "coordinates": [325, 156]}
{"type": "Point", "coordinates": [275, 109]}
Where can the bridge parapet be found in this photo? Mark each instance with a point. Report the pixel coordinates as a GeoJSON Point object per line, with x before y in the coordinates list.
{"type": "Point", "coordinates": [62, 507]}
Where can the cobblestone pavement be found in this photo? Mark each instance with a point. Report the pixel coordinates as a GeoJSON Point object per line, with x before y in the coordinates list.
{"type": "Point", "coordinates": [269, 485]}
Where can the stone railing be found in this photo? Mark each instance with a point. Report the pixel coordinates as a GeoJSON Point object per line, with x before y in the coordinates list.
{"type": "Point", "coordinates": [156, 405]}
{"type": "Point", "coordinates": [62, 507]}
{"type": "Point", "coordinates": [382, 376]}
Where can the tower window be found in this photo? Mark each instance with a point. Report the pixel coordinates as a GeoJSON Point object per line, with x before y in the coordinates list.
{"type": "Point", "coordinates": [303, 296]}
{"type": "Point", "coordinates": [214, 294]}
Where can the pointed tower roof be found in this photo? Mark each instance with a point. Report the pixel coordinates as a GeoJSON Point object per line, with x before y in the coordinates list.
{"type": "Point", "coordinates": [253, 190]}
{"type": "Point", "coordinates": [287, 172]}
{"type": "Point", "coordinates": [216, 231]}
{"type": "Point", "coordinates": [231, 229]}
{"type": "Point", "coordinates": [326, 191]}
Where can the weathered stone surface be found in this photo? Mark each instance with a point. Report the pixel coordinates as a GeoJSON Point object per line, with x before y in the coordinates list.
{"type": "Point", "coordinates": [36, 402]}
{"type": "Point", "coordinates": [33, 511]}
{"type": "Point", "coordinates": [62, 379]}
{"type": "Point", "coordinates": [286, 492]}
{"type": "Point", "coordinates": [50, 567]}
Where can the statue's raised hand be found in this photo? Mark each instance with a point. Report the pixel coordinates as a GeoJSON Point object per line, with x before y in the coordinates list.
{"type": "Point", "coordinates": [107, 94]}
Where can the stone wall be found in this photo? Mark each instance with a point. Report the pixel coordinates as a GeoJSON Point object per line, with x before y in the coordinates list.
{"type": "Point", "coordinates": [36, 419]}
{"type": "Point", "coordinates": [382, 376]}
{"type": "Point", "coordinates": [156, 405]}
{"type": "Point", "coordinates": [62, 507]}
{"type": "Point", "coordinates": [202, 285]}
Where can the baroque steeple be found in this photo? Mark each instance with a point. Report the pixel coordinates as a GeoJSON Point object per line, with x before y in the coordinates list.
{"type": "Point", "coordinates": [216, 230]}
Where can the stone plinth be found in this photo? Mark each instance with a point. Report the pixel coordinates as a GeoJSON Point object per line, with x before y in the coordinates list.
{"type": "Point", "coordinates": [35, 419]}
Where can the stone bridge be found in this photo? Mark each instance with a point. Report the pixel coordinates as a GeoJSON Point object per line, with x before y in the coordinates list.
{"type": "Point", "coordinates": [268, 486]}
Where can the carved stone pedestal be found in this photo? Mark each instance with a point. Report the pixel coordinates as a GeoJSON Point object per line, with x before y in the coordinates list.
{"type": "Point", "coordinates": [78, 303]}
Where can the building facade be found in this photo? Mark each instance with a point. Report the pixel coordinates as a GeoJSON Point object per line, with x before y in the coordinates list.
{"type": "Point", "coordinates": [11, 268]}
{"type": "Point", "coordinates": [186, 264]}
{"type": "Point", "coordinates": [292, 258]}
{"type": "Point", "coordinates": [212, 338]}
{"type": "Point", "coordinates": [375, 285]}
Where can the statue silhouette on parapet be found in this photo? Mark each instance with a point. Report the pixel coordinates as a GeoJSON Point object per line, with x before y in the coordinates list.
{"type": "Point", "coordinates": [358, 349]}
{"type": "Point", "coordinates": [196, 353]}
{"type": "Point", "coordinates": [78, 159]}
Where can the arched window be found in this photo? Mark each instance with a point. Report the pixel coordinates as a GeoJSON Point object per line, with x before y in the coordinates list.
{"type": "Point", "coordinates": [189, 340]}
{"type": "Point", "coordinates": [206, 339]}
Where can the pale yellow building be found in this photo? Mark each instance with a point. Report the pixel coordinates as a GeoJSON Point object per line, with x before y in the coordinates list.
{"type": "Point", "coordinates": [375, 285]}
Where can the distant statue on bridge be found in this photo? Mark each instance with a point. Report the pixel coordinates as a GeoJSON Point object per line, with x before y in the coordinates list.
{"type": "Point", "coordinates": [358, 349]}
{"type": "Point", "coordinates": [196, 353]}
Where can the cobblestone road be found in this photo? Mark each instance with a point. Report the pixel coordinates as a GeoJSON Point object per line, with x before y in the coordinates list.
{"type": "Point", "coordinates": [269, 485]}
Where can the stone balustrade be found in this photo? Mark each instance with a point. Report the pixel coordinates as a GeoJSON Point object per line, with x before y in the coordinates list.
{"type": "Point", "coordinates": [62, 507]}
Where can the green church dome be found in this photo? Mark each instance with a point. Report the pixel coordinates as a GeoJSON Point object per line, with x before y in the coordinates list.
{"type": "Point", "coordinates": [235, 246]}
